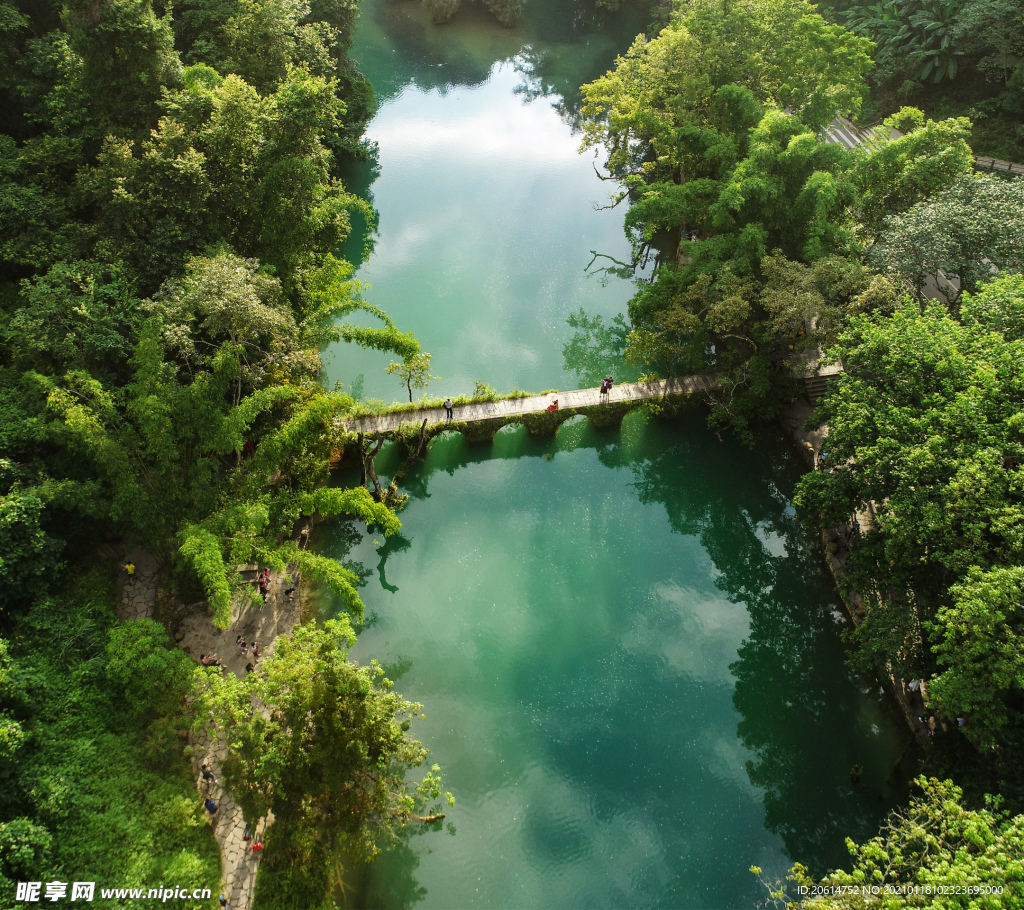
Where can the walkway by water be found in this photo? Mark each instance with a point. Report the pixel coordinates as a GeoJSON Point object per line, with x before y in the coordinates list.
{"type": "Point", "coordinates": [510, 408]}
{"type": "Point", "coordinates": [843, 132]}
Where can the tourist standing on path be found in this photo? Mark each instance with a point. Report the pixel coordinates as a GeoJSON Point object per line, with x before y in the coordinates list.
{"type": "Point", "coordinates": [129, 568]}
{"type": "Point", "coordinates": [449, 407]}
{"type": "Point", "coordinates": [604, 386]}
{"type": "Point", "coordinates": [211, 807]}
{"type": "Point", "coordinates": [208, 774]}
{"type": "Point", "coordinates": [608, 384]}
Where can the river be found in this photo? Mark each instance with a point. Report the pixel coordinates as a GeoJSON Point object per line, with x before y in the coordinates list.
{"type": "Point", "coordinates": [625, 640]}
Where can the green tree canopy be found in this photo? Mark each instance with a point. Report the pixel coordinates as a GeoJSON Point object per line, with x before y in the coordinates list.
{"type": "Point", "coordinates": [926, 424]}
{"type": "Point", "coordinates": [998, 306]}
{"type": "Point", "coordinates": [219, 364]}
{"type": "Point", "coordinates": [126, 51]}
{"type": "Point", "coordinates": [711, 129]}
{"type": "Point", "coordinates": [752, 231]}
{"type": "Point", "coordinates": [261, 40]}
{"type": "Point", "coordinates": [982, 652]}
{"type": "Point", "coordinates": [892, 175]}
{"type": "Point", "coordinates": [933, 845]}
{"type": "Point", "coordinates": [781, 50]}
{"type": "Point", "coordinates": [969, 231]}
{"type": "Point", "coordinates": [327, 748]}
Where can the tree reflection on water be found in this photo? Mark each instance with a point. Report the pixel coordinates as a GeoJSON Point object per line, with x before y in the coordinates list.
{"type": "Point", "coordinates": [804, 720]}
{"type": "Point", "coordinates": [791, 681]}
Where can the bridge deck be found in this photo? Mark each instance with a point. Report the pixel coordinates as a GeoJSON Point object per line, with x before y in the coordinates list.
{"type": "Point", "coordinates": [534, 404]}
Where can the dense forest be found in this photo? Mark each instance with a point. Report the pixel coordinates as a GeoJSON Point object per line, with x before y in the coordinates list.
{"type": "Point", "coordinates": [172, 210]}
{"type": "Point", "coordinates": [950, 57]}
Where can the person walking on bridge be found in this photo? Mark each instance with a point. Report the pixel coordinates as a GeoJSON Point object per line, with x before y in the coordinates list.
{"type": "Point", "coordinates": [449, 406]}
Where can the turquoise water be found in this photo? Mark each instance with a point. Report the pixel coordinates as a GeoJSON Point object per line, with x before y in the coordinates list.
{"type": "Point", "coordinates": [625, 642]}
{"type": "Point", "coordinates": [487, 210]}
{"type": "Point", "coordinates": [628, 652]}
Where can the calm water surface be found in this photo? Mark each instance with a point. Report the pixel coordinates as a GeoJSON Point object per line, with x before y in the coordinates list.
{"type": "Point", "coordinates": [487, 209]}
{"type": "Point", "coordinates": [626, 646]}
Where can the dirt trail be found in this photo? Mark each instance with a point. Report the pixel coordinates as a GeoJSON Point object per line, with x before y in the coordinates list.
{"type": "Point", "coordinates": [196, 635]}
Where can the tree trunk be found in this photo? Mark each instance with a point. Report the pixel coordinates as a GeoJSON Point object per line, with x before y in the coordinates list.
{"type": "Point", "coordinates": [423, 438]}
{"type": "Point", "coordinates": [368, 466]}
{"type": "Point", "coordinates": [412, 459]}
{"type": "Point", "coordinates": [891, 779]}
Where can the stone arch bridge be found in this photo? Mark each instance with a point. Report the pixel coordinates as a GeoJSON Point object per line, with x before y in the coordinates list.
{"type": "Point", "coordinates": [478, 421]}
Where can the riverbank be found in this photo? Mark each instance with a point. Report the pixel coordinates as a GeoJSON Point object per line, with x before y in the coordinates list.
{"type": "Point", "coordinates": [197, 636]}
{"type": "Point", "coordinates": [836, 547]}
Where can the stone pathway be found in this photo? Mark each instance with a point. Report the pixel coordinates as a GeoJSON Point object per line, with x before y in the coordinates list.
{"type": "Point", "coordinates": [197, 635]}
{"type": "Point", "coordinates": [138, 593]}
{"type": "Point", "coordinates": [238, 862]}
{"type": "Point", "coordinates": [842, 131]}
{"type": "Point", "coordinates": [508, 408]}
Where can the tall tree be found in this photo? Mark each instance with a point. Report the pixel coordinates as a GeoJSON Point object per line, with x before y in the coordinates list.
{"type": "Point", "coordinates": [924, 423]}
{"type": "Point", "coordinates": [127, 55]}
{"type": "Point", "coordinates": [934, 844]}
{"type": "Point", "coordinates": [711, 131]}
{"type": "Point", "coordinates": [966, 233]}
{"type": "Point", "coordinates": [326, 750]}
{"type": "Point", "coordinates": [893, 175]}
{"type": "Point", "coordinates": [221, 363]}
